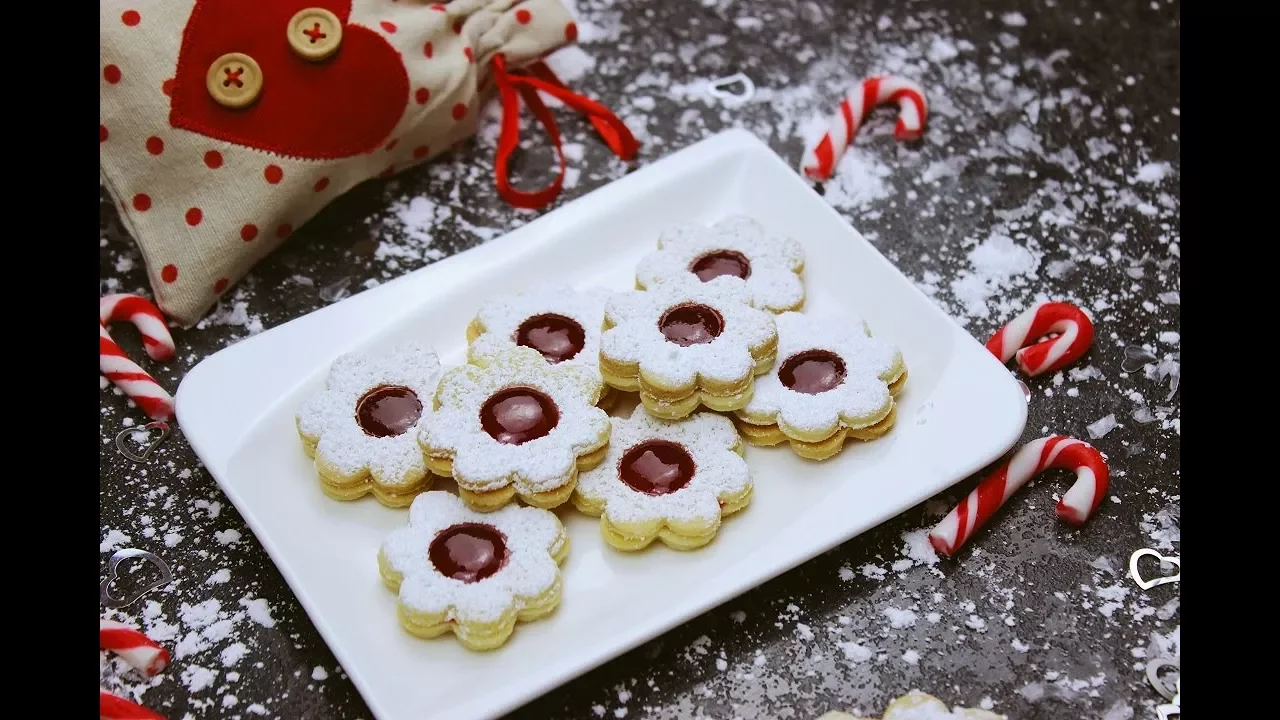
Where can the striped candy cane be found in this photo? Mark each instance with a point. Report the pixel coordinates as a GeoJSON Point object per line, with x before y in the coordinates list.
{"type": "Point", "coordinates": [140, 311]}
{"type": "Point", "coordinates": [114, 707]}
{"type": "Point", "coordinates": [154, 400]}
{"type": "Point", "coordinates": [1054, 451]}
{"type": "Point", "coordinates": [132, 646]}
{"type": "Point", "coordinates": [820, 160]}
{"type": "Point", "coordinates": [1074, 332]}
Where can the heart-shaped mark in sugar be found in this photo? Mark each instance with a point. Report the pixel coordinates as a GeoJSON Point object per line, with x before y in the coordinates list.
{"type": "Point", "coordinates": [344, 105]}
{"type": "Point", "coordinates": [723, 88]}
{"type": "Point", "coordinates": [1148, 584]}
{"type": "Point", "coordinates": [113, 601]}
{"type": "Point", "coordinates": [148, 438]}
{"type": "Point", "coordinates": [1153, 676]}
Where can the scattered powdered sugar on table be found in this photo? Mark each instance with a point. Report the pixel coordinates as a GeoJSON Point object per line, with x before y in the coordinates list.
{"type": "Point", "coordinates": [418, 217]}
{"type": "Point", "coordinates": [1153, 172]}
{"type": "Point", "coordinates": [995, 265]}
{"type": "Point", "coordinates": [259, 611]}
{"type": "Point", "coordinates": [853, 652]}
{"type": "Point", "coordinates": [203, 638]}
{"type": "Point", "coordinates": [860, 181]}
{"type": "Point", "coordinates": [899, 618]}
{"type": "Point", "coordinates": [1163, 528]}
{"type": "Point", "coordinates": [233, 310]}
{"type": "Point", "coordinates": [211, 639]}
{"type": "Point", "coordinates": [113, 540]}
{"type": "Point", "coordinates": [1102, 426]}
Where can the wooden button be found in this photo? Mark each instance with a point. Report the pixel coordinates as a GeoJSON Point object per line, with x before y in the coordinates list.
{"type": "Point", "coordinates": [234, 80]}
{"type": "Point", "coordinates": [315, 33]}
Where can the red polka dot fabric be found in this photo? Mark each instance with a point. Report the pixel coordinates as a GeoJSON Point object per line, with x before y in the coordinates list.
{"type": "Point", "coordinates": [207, 191]}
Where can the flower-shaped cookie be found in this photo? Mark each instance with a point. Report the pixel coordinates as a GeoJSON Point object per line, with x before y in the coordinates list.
{"type": "Point", "coordinates": [737, 250]}
{"type": "Point", "coordinates": [561, 323]}
{"type": "Point", "coordinates": [832, 381]}
{"type": "Point", "coordinates": [666, 479]}
{"type": "Point", "coordinates": [517, 425]}
{"type": "Point", "coordinates": [682, 345]}
{"type": "Point", "coordinates": [475, 574]}
{"type": "Point", "coordinates": [362, 428]}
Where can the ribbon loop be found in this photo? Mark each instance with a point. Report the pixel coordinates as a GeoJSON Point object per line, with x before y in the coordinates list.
{"type": "Point", "coordinates": [512, 85]}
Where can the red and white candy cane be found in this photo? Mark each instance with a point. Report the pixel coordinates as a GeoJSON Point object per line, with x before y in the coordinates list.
{"type": "Point", "coordinates": [1074, 331]}
{"type": "Point", "coordinates": [1054, 451]}
{"type": "Point", "coordinates": [114, 707]}
{"type": "Point", "coordinates": [140, 311]}
{"type": "Point", "coordinates": [820, 160]}
{"type": "Point", "coordinates": [132, 646]}
{"type": "Point", "coordinates": [154, 400]}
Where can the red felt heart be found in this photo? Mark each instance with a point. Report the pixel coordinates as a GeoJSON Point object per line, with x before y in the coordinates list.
{"type": "Point", "coordinates": [342, 106]}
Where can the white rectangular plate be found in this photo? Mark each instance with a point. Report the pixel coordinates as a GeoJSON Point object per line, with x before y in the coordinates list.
{"type": "Point", "coordinates": [960, 410]}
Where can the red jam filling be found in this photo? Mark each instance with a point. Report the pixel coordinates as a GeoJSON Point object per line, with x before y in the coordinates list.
{"type": "Point", "coordinates": [388, 410]}
{"type": "Point", "coordinates": [469, 552]}
{"type": "Point", "coordinates": [557, 337]}
{"type": "Point", "coordinates": [812, 371]}
{"type": "Point", "coordinates": [516, 415]}
{"type": "Point", "coordinates": [656, 467]}
{"type": "Point", "coordinates": [691, 324]}
{"type": "Point", "coordinates": [721, 262]}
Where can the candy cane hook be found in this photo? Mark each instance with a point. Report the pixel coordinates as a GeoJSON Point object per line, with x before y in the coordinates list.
{"type": "Point", "coordinates": [140, 311]}
{"type": "Point", "coordinates": [132, 646]}
{"type": "Point", "coordinates": [1054, 451]}
{"type": "Point", "coordinates": [820, 160]}
{"type": "Point", "coordinates": [1074, 332]}
{"type": "Point", "coordinates": [154, 400]}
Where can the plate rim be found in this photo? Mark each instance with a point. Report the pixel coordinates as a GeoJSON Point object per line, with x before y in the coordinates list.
{"type": "Point", "coordinates": [201, 428]}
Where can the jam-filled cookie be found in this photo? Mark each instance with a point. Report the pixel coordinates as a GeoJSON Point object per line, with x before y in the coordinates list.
{"type": "Point", "coordinates": [362, 428]}
{"type": "Point", "coordinates": [561, 323]}
{"type": "Point", "coordinates": [682, 345]}
{"type": "Point", "coordinates": [671, 480]}
{"type": "Point", "coordinates": [473, 573]}
{"type": "Point", "coordinates": [737, 250]}
{"type": "Point", "coordinates": [833, 381]}
{"type": "Point", "coordinates": [516, 426]}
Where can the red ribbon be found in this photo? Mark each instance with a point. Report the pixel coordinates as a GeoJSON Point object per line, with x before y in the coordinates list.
{"type": "Point", "coordinates": [527, 83]}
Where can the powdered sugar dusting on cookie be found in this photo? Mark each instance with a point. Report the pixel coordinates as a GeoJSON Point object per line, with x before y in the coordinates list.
{"type": "Point", "coordinates": [534, 537]}
{"type": "Point", "coordinates": [870, 364]}
{"type": "Point", "coordinates": [718, 470]}
{"type": "Point", "coordinates": [637, 338]}
{"type": "Point", "coordinates": [775, 260]}
{"type": "Point", "coordinates": [480, 462]}
{"type": "Point", "coordinates": [502, 317]}
{"type": "Point", "coordinates": [328, 418]}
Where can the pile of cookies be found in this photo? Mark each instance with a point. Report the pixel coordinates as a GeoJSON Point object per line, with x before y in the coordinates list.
{"type": "Point", "coordinates": [713, 343]}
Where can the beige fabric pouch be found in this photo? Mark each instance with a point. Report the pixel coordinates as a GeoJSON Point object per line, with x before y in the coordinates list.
{"type": "Point", "coordinates": [227, 124]}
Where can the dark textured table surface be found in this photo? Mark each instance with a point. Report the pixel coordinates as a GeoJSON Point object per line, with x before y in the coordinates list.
{"type": "Point", "coordinates": [1049, 170]}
